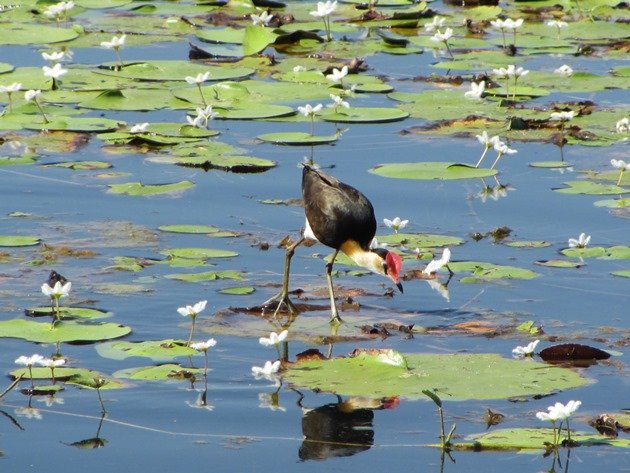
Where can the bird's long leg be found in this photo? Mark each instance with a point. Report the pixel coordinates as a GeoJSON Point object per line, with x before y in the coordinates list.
{"type": "Point", "coordinates": [283, 297]}
{"type": "Point", "coordinates": [334, 315]}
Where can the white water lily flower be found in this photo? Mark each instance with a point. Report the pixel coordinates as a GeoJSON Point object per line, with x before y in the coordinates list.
{"type": "Point", "coordinates": [513, 24]}
{"type": "Point", "coordinates": [207, 113]}
{"type": "Point", "coordinates": [58, 290]}
{"type": "Point", "coordinates": [9, 89]}
{"type": "Point", "coordinates": [338, 102]}
{"type": "Point", "coordinates": [269, 369]}
{"type": "Point", "coordinates": [436, 264]}
{"type": "Point", "coordinates": [194, 310]}
{"type": "Point", "coordinates": [50, 363]}
{"type": "Point", "coordinates": [476, 90]}
{"type": "Point", "coordinates": [273, 339]}
{"type": "Point", "coordinates": [564, 70]}
{"type": "Point", "coordinates": [139, 128]}
{"type": "Point", "coordinates": [299, 69]}
{"type": "Point", "coordinates": [199, 78]}
{"type": "Point", "coordinates": [203, 346]}
{"type": "Point", "coordinates": [581, 241]}
{"type": "Point", "coordinates": [435, 24]}
{"type": "Point", "coordinates": [559, 411]}
{"type": "Point", "coordinates": [623, 125]}
{"type": "Point", "coordinates": [324, 9]}
{"type": "Point", "coordinates": [309, 111]}
{"type": "Point", "coordinates": [29, 360]}
{"type": "Point", "coordinates": [520, 72]}
{"type": "Point", "coordinates": [54, 56]}
{"type": "Point", "coordinates": [337, 74]}
{"type": "Point", "coordinates": [501, 72]}
{"type": "Point", "coordinates": [396, 224]}
{"type": "Point", "coordinates": [487, 141]}
{"type": "Point", "coordinates": [261, 20]}
{"type": "Point", "coordinates": [502, 148]}
{"type": "Point", "coordinates": [562, 116]}
{"type": "Point", "coordinates": [199, 121]}
{"type": "Point", "coordinates": [557, 23]}
{"type": "Point", "coordinates": [54, 72]}
{"type": "Point", "coordinates": [31, 94]}
{"type": "Point", "coordinates": [527, 350]}
{"type": "Point", "coordinates": [439, 36]}
{"type": "Point", "coordinates": [620, 164]}
{"type": "Point", "coordinates": [116, 42]}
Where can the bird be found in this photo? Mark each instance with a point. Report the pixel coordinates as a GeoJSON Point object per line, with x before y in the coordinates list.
{"type": "Point", "coordinates": [341, 217]}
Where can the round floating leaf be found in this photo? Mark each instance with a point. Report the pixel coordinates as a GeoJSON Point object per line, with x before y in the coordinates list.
{"type": "Point", "coordinates": [528, 244]}
{"type": "Point", "coordinates": [222, 35]}
{"type": "Point", "coordinates": [617, 252]}
{"type": "Point", "coordinates": [82, 165]}
{"type": "Point", "coordinates": [374, 88]}
{"type": "Point", "coordinates": [168, 371]}
{"type": "Point", "coordinates": [188, 228]}
{"type": "Point", "coordinates": [238, 291]}
{"type": "Point", "coordinates": [613, 203]}
{"type": "Point", "coordinates": [198, 253]}
{"type": "Point", "coordinates": [624, 273]}
{"type": "Point", "coordinates": [207, 276]}
{"type": "Point", "coordinates": [68, 312]}
{"type": "Point", "coordinates": [550, 164]}
{"type": "Point", "coordinates": [79, 376]}
{"type": "Point", "coordinates": [365, 115]}
{"type": "Point", "coordinates": [255, 111]}
{"type": "Point", "coordinates": [18, 240]}
{"type": "Point", "coordinates": [41, 332]}
{"type": "Point", "coordinates": [420, 240]}
{"type": "Point", "coordinates": [591, 188]}
{"type": "Point", "coordinates": [431, 170]}
{"type": "Point", "coordinates": [534, 439]}
{"type": "Point", "coordinates": [155, 349]}
{"type": "Point", "coordinates": [140, 189]}
{"type": "Point", "coordinates": [455, 377]}
{"type": "Point", "coordinates": [175, 71]}
{"type": "Point", "coordinates": [559, 263]}
{"type": "Point", "coordinates": [24, 33]}
{"type": "Point", "coordinates": [256, 39]}
{"type": "Point", "coordinates": [79, 124]}
{"type": "Point", "coordinates": [584, 252]}
{"type": "Point", "coordinates": [297, 138]}
{"type": "Point", "coordinates": [482, 270]}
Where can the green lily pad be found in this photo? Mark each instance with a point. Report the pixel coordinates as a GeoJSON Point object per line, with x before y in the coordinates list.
{"type": "Point", "coordinates": [254, 111]}
{"type": "Point", "coordinates": [528, 244]}
{"type": "Point", "coordinates": [559, 263]}
{"type": "Point", "coordinates": [188, 229]}
{"type": "Point", "coordinates": [140, 189]}
{"type": "Point", "coordinates": [550, 164]}
{"type": "Point", "coordinates": [238, 291]}
{"type": "Point", "coordinates": [431, 170]}
{"type": "Point", "coordinates": [206, 276]}
{"type": "Point", "coordinates": [617, 252]}
{"type": "Point", "coordinates": [483, 271]}
{"type": "Point", "coordinates": [534, 439]}
{"type": "Point", "coordinates": [297, 138]}
{"type": "Point", "coordinates": [154, 349]}
{"type": "Point", "coordinates": [41, 332]}
{"type": "Point", "coordinates": [624, 273]}
{"type": "Point", "coordinates": [175, 71]}
{"type": "Point", "coordinates": [420, 240]}
{"type": "Point", "coordinates": [256, 39]}
{"type": "Point", "coordinates": [17, 160]}
{"type": "Point", "coordinates": [456, 376]}
{"type": "Point", "coordinates": [591, 252]}
{"type": "Point", "coordinates": [364, 115]}
{"type": "Point", "coordinates": [222, 35]}
{"type": "Point", "coordinates": [198, 253]}
{"type": "Point", "coordinates": [78, 124]}
{"type": "Point", "coordinates": [613, 203]}
{"type": "Point", "coordinates": [79, 376]}
{"type": "Point", "coordinates": [126, 263]}
{"type": "Point", "coordinates": [18, 240]}
{"type": "Point", "coordinates": [168, 371]}
{"type": "Point", "coordinates": [591, 188]}
{"type": "Point", "coordinates": [68, 312]}
{"type": "Point", "coordinates": [25, 33]}
{"type": "Point", "coordinates": [81, 165]}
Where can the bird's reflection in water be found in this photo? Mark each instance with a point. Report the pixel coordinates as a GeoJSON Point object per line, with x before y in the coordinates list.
{"type": "Point", "coordinates": [338, 429]}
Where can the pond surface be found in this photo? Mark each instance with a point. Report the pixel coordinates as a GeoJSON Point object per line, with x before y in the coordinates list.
{"type": "Point", "coordinates": [247, 424]}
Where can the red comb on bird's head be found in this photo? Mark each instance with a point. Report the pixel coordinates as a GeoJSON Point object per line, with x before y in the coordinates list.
{"type": "Point", "coordinates": [394, 266]}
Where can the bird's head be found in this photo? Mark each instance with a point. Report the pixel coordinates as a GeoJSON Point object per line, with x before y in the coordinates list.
{"type": "Point", "coordinates": [390, 265]}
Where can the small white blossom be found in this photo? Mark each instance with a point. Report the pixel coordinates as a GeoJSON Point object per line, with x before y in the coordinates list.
{"type": "Point", "coordinates": [502, 148]}
{"type": "Point", "coordinates": [559, 411]}
{"type": "Point", "coordinates": [199, 78]}
{"type": "Point", "coordinates": [54, 72]}
{"type": "Point", "coordinates": [299, 69]}
{"type": "Point", "coordinates": [116, 42]}
{"type": "Point", "coordinates": [436, 264]}
{"type": "Point", "coordinates": [207, 113]}
{"type": "Point", "coordinates": [261, 20]}
{"type": "Point", "coordinates": [476, 90]}
{"type": "Point", "coordinates": [324, 9]}
{"type": "Point", "coordinates": [487, 141]}
{"type": "Point", "coordinates": [58, 290]}
{"type": "Point", "coordinates": [29, 360]}
{"type": "Point", "coordinates": [562, 116]}
{"type": "Point", "coordinates": [396, 224]}
{"type": "Point", "coordinates": [55, 56]}
{"type": "Point", "coordinates": [620, 164]}
{"type": "Point", "coordinates": [442, 37]}
{"type": "Point", "coordinates": [337, 74]}
{"type": "Point", "coordinates": [309, 111]}
{"type": "Point", "coordinates": [581, 241]}
{"type": "Point", "coordinates": [139, 128]}
{"type": "Point", "coordinates": [527, 350]}
{"type": "Point", "coordinates": [9, 89]}
{"type": "Point", "coordinates": [557, 24]}
{"type": "Point", "coordinates": [50, 363]}
{"type": "Point", "coordinates": [31, 94]}
{"type": "Point", "coordinates": [623, 125]}
{"type": "Point", "coordinates": [338, 102]}
{"type": "Point", "coordinates": [435, 24]}
{"type": "Point", "coordinates": [273, 339]}
{"type": "Point", "coordinates": [564, 70]}
{"type": "Point", "coordinates": [203, 346]}
{"type": "Point", "coordinates": [194, 310]}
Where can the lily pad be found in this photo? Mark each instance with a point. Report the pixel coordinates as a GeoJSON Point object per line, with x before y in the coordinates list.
{"type": "Point", "coordinates": [198, 253]}
{"type": "Point", "coordinates": [25, 33]}
{"type": "Point", "coordinates": [431, 170]}
{"type": "Point", "coordinates": [196, 229]}
{"type": "Point", "coordinates": [481, 270]}
{"type": "Point", "coordinates": [17, 240]}
{"type": "Point", "coordinates": [140, 189]}
{"type": "Point", "coordinates": [297, 138]}
{"type": "Point", "coordinates": [591, 188]}
{"type": "Point", "coordinates": [81, 165]}
{"type": "Point", "coordinates": [168, 371]}
{"type": "Point", "coordinates": [456, 376]}
{"type": "Point", "coordinates": [592, 252]}
{"type": "Point", "coordinates": [154, 349]}
{"type": "Point", "coordinates": [68, 312]}
{"type": "Point", "coordinates": [175, 71]}
{"type": "Point", "coordinates": [550, 164]}
{"type": "Point", "coordinates": [206, 276]}
{"type": "Point", "coordinates": [559, 263]}
{"type": "Point", "coordinates": [365, 115]}
{"type": "Point", "coordinates": [624, 273]}
{"type": "Point", "coordinates": [420, 240]}
{"type": "Point", "coordinates": [41, 332]}
{"type": "Point", "coordinates": [80, 376]}
{"type": "Point", "coordinates": [238, 291]}
{"type": "Point", "coordinates": [528, 244]}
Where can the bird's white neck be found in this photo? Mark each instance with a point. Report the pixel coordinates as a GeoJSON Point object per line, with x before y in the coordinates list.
{"type": "Point", "coordinates": [367, 259]}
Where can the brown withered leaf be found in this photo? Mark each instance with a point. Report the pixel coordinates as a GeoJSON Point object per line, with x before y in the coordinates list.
{"type": "Point", "coordinates": [606, 425]}
{"type": "Point", "coordinates": [492, 418]}
{"type": "Point", "coordinates": [573, 352]}
{"type": "Point", "coordinates": [310, 354]}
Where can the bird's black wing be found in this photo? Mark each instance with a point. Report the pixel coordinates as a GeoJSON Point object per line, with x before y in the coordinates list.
{"type": "Point", "coordinates": [336, 211]}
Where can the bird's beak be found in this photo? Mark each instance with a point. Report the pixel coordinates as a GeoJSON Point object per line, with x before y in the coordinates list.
{"type": "Point", "coordinates": [399, 286]}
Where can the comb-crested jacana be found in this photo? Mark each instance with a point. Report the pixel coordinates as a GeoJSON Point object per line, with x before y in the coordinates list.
{"type": "Point", "coordinates": [341, 217]}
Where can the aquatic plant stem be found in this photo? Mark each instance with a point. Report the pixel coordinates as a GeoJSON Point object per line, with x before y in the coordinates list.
{"type": "Point", "coordinates": [192, 330]}
{"type": "Point", "coordinates": [41, 110]}
{"type": "Point", "coordinates": [483, 155]}
{"type": "Point", "coordinates": [203, 99]}
{"type": "Point", "coordinates": [620, 177]}
{"type": "Point", "coordinates": [496, 160]}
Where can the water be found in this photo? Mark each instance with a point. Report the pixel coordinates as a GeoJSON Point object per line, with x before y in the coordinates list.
{"type": "Point", "coordinates": [157, 425]}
